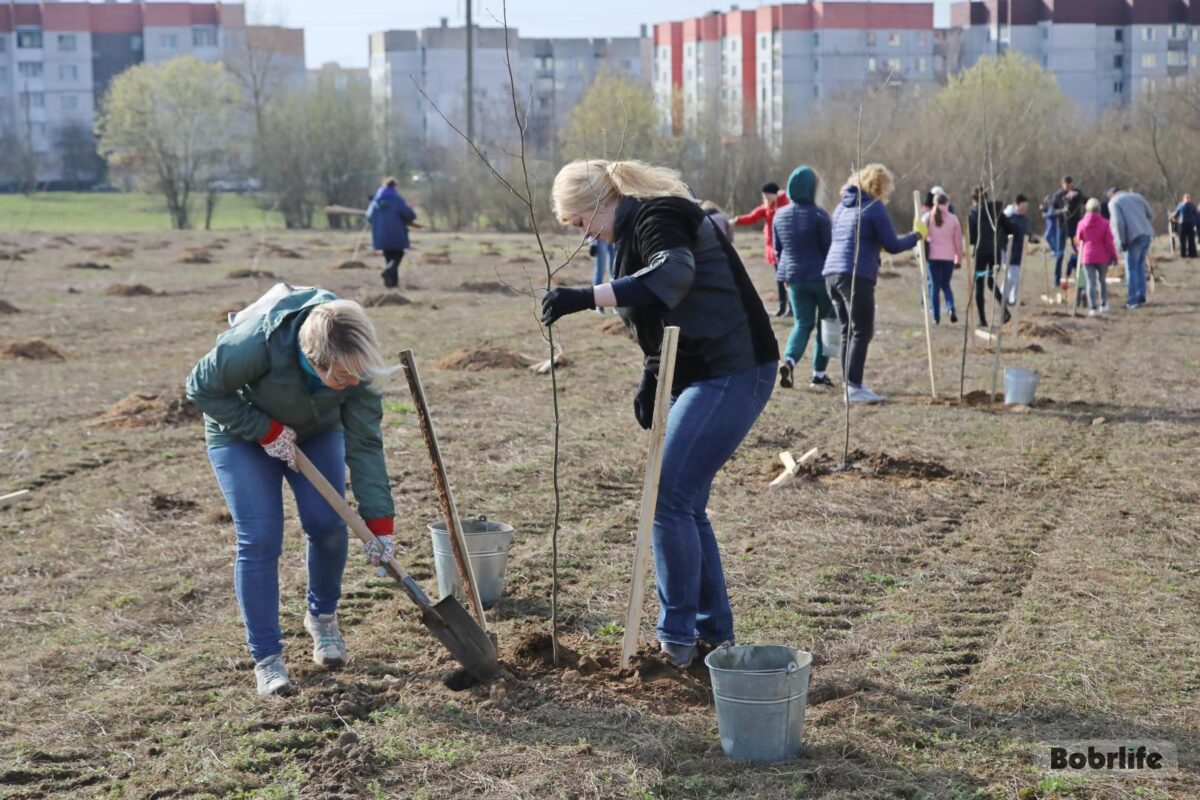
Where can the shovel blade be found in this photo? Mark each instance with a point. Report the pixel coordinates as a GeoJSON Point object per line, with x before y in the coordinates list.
{"type": "Point", "coordinates": [458, 632]}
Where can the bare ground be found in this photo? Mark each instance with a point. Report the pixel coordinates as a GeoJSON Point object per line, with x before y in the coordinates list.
{"type": "Point", "coordinates": [978, 580]}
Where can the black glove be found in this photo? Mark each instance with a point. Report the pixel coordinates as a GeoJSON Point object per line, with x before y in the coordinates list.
{"type": "Point", "coordinates": [643, 401]}
{"type": "Point", "coordinates": [592, 249]}
{"type": "Point", "coordinates": [559, 302]}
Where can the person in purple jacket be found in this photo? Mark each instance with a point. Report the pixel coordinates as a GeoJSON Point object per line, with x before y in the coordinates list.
{"type": "Point", "coordinates": [801, 241]}
{"type": "Point", "coordinates": [390, 217]}
{"type": "Point", "coordinates": [861, 228]}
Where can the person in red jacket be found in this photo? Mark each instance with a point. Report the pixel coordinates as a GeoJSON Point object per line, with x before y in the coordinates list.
{"type": "Point", "coordinates": [773, 200]}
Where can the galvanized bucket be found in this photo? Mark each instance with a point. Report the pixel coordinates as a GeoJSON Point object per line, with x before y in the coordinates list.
{"type": "Point", "coordinates": [487, 550]}
{"type": "Point", "coordinates": [831, 337]}
{"type": "Point", "coordinates": [760, 693]}
{"type": "Point", "coordinates": [1020, 386]}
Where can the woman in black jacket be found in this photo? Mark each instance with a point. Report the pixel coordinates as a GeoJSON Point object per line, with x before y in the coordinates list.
{"type": "Point", "coordinates": [675, 268]}
{"type": "Point", "coordinates": [989, 230]}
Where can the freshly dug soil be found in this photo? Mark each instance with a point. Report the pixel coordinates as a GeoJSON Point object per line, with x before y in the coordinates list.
{"type": "Point", "coordinates": [117, 252]}
{"type": "Point", "coordinates": [145, 410]}
{"type": "Point", "coordinates": [348, 265]}
{"type": "Point", "coordinates": [30, 350]}
{"type": "Point", "coordinates": [250, 273]}
{"type": "Point", "coordinates": [196, 257]}
{"type": "Point", "coordinates": [436, 258]}
{"type": "Point", "coordinates": [88, 265]}
{"type": "Point", "coordinates": [384, 299]}
{"type": "Point", "coordinates": [8, 308]}
{"type": "Point", "coordinates": [883, 464]}
{"type": "Point", "coordinates": [518, 260]}
{"type": "Point", "coordinates": [276, 251]}
{"type": "Point", "coordinates": [477, 359]}
{"type": "Point", "coordinates": [1044, 330]}
{"type": "Point", "coordinates": [486, 287]}
{"type": "Point", "coordinates": [130, 290]}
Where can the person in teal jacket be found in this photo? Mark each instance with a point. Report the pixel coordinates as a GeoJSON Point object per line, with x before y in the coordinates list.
{"type": "Point", "coordinates": [301, 375]}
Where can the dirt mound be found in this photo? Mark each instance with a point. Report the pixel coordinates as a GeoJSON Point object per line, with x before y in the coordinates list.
{"type": "Point", "coordinates": [614, 326]}
{"type": "Point", "coordinates": [885, 465]}
{"type": "Point", "coordinates": [384, 299]}
{"type": "Point", "coordinates": [87, 265]}
{"type": "Point", "coordinates": [117, 252]}
{"type": "Point", "coordinates": [477, 359]}
{"type": "Point", "coordinates": [250, 273]}
{"type": "Point", "coordinates": [197, 256]}
{"type": "Point", "coordinates": [348, 265]}
{"type": "Point", "coordinates": [8, 308]}
{"type": "Point", "coordinates": [130, 290]}
{"type": "Point", "coordinates": [436, 258]}
{"type": "Point", "coordinates": [145, 409]}
{"type": "Point", "coordinates": [1044, 330]}
{"type": "Point", "coordinates": [536, 650]}
{"type": "Point", "coordinates": [31, 350]}
{"type": "Point", "coordinates": [518, 260]}
{"type": "Point", "coordinates": [491, 252]}
{"type": "Point", "coordinates": [487, 287]}
{"type": "Point", "coordinates": [278, 251]}
{"type": "Point", "coordinates": [169, 505]}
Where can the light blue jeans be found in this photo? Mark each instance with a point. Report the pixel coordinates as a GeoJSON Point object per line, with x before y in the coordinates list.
{"type": "Point", "coordinates": [706, 424]}
{"type": "Point", "coordinates": [1135, 269]}
{"type": "Point", "coordinates": [606, 260]}
{"type": "Point", "coordinates": [252, 483]}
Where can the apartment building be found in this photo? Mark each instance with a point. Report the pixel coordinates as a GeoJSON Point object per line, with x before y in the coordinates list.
{"type": "Point", "coordinates": [762, 71]}
{"type": "Point", "coordinates": [1104, 53]}
{"type": "Point", "coordinates": [57, 59]}
{"type": "Point", "coordinates": [551, 74]}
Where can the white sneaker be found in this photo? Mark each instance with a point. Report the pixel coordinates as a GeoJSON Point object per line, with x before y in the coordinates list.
{"type": "Point", "coordinates": [329, 649]}
{"type": "Point", "coordinates": [271, 676]}
{"type": "Point", "coordinates": [1092, 312]}
{"type": "Point", "coordinates": [1104, 308]}
{"type": "Point", "coordinates": [861, 394]}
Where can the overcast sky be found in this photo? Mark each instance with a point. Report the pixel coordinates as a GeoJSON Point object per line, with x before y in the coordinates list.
{"type": "Point", "coordinates": [337, 30]}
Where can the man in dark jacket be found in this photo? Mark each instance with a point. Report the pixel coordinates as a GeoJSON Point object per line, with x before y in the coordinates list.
{"type": "Point", "coordinates": [1186, 217]}
{"type": "Point", "coordinates": [989, 229]}
{"type": "Point", "coordinates": [389, 216]}
{"type": "Point", "coordinates": [1068, 208]}
{"type": "Point", "coordinates": [1014, 249]}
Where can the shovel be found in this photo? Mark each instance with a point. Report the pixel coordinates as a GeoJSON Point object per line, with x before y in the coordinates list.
{"type": "Point", "coordinates": [447, 620]}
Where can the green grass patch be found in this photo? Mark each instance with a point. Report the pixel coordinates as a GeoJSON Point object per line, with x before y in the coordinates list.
{"type": "Point", "coordinates": [87, 212]}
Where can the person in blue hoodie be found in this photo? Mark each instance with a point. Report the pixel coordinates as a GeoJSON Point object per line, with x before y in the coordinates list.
{"type": "Point", "coordinates": [390, 216]}
{"type": "Point", "coordinates": [861, 228]}
{"type": "Point", "coordinates": [1187, 218]}
{"type": "Point", "coordinates": [801, 241]}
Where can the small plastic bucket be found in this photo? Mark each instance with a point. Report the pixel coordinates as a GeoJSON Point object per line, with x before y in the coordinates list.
{"type": "Point", "coordinates": [1020, 386]}
{"type": "Point", "coordinates": [760, 693]}
{"type": "Point", "coordinates": [831, 337]}
{"type": "Point", "coordinates": [487, 550]}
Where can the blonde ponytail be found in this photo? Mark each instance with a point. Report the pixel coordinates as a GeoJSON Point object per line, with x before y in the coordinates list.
{"type": "Point", "coordinates": [583, 186]}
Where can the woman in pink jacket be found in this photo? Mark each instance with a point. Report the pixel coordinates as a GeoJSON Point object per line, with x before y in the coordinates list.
{"type": "Point", "coordinates": [945, 254]}
{"type": "Point", "coordinates": [1097, 250]}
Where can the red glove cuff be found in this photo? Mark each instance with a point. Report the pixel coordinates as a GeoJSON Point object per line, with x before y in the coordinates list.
{"type": "Point", "coordinates": [382, 526]}
{"type": "Point", "coordinates": [272, 432]}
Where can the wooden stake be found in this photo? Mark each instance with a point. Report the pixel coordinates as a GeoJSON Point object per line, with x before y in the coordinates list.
{"type": "Point", "coordinates": [12, 497]}
{"type": "Point", "coordinates": [791, 466]}
{"type": "Point", "coordinates": [641, 550]}
{"type": "Point", "coordinates": [458, 542]}
{"type": "Point", "coordinates": [925, 283]}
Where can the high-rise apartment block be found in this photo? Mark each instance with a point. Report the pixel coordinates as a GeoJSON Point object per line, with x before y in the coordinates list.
{"type": "Point", "coordinates": [551, 77]}
{"type": "Point", "coordinates": [57, 59]}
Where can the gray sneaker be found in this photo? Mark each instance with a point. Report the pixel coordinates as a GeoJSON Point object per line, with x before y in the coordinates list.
{"type": "Point", "coordinates": [271, 676]}
{"type": "Point", "coordinates": [861, 394]}
{"type": "Point", "coordinates": [329, 650]}
{"type": "Point", "coordinates": [681, 655]}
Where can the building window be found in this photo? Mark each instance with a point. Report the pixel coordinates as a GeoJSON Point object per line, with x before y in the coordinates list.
{"type": "Point", "coordinates": [816, 38]}
{"type": "Point", "coordinates": [1148, 85]}
{"type": "Point", "coordinates": [168, 41]}
{"type": "Point", "coordinates": [735, 44]}
{"type": "Point", "coordinates": [762, 41]}
{"type": "Point", "coordinates": [1119, 35]}
{"type": "Point", "coordinates": [66, 42]}
{"type": "Point", "coordinates": [135, 43]}
{"type": "Point", "coordinates": [764, 95]}
{"type": "Point", "coordinates": [734, 71]}
{"type": "Point", "coordinates": [893, 65]}
{"type": "Point", "coordinates": [29, 40]}
{"type": "Point", "coordinates": [3, 44]}
{"type": "Point", "coordinates": [870, 38]}
{"type": "Point", "coordinates": [817, 92]}
{"type": "Point", "coordinates": [1045, 33]}
{"type": "Point", "coordinates": [1149, 60]}
{"type": "Point", "coordinates": [1178, 31]}
{"type": "Point", "coordinates": [1119, 87]}
{"type": "Point", "coordinates": [1195, 61]}
{"type": "Point", "coordinates": [29, 69]}
{"type": "Point", "coordinates": [70, 102]}
{"type": "Point", "coordinates": [68, 72]}
{"type": "Point", "coordinates": [1118, 62]}
{"type": "Point", "coordinates": [1045, 61]}
{"type": "Point", "coordinates": [33, 100]}
{"type": "Point", "coordinates": [3, 75]}
{"type": "Point", "coordinates": [872, 65]}
{"type": "Point", "coordinates": [1176, 58]}
{"type": "Point", "coordinates": [922, 38]}
{"type": "Point", "coordinates": [204, 37]}
{"type": "Point", "coordinates": [1147, 33]}
{"type": "Point", "coordinates": [921, 65]}
{"type": "Point", "coordinates": [894, 40]}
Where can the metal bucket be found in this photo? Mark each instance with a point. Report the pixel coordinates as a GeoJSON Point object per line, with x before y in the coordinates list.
{"type": "Point", "coordinates": [831, 337]}
{"type": "Point", "coordinates": [760, 693]}
{"type": "Point", "coordinates": [487, 550]}
{"type": "Point", "coordinates": [1020, 386]}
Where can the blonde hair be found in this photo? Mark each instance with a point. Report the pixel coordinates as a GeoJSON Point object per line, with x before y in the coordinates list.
{"type": "Point", "coordinates": [1092, 205]}
{"type": "Point", "coordinates": [583, 186]}
{"type": "Point", "coordinates": [339, 332]}
{"type": "Point", "coordinates": [874, 179]}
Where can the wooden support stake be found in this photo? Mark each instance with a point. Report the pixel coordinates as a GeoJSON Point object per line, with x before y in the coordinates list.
{"type": "Point", "coordinates": [641, 551]}
{"type": "Point", "coordinates": [925, 282]}
{"type": "Point", "coordinates": [791, 466]}
{"type": "Point", "coordinates": [12, 497]}
{"type": "Point", "coordinates": [458, 542]}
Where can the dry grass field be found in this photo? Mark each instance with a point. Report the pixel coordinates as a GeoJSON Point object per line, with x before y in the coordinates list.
{"type": "Point", "coordinates": [978, 580]}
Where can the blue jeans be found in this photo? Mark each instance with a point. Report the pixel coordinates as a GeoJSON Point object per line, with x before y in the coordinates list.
{"type": "Point", "coordinates": [252, 483]}
{"type": "Point", "coordinates": [940, 273]}
{"type": "Point", "coordinates": [1060, 253]}
{"type": "Point", "coordinates": [707, 422]}
{"type": "Point", "coordinates": [606, 258]}
{"type": "Point", "coordinates": [1135, 269]}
